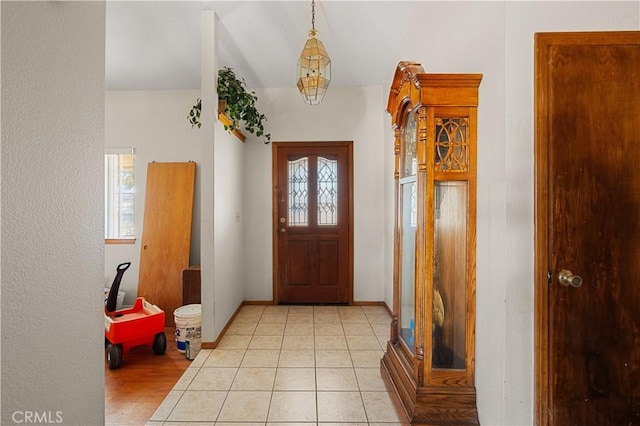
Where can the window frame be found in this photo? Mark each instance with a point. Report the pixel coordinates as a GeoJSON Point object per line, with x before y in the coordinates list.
{"type": "Point", "coordinates": [110, 194]}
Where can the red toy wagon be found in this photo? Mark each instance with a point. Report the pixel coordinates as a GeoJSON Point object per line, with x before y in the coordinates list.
{"type": "Point", "coordinates": [142, 324]}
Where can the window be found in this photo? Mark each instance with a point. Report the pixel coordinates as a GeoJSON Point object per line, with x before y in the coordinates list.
{"type": "Point", "coordinates": [119, 190]}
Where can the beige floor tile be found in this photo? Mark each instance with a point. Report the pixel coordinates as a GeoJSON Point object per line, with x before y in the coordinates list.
{"type": "Point", "coordinates": [300, 318]}
{"type": "Point", "coordinates": [188, 424]}
{"type": "Point", "coordinates": [381, 330]}
{"type": "Point", "coordinates": [345, 424]}
{"type": "Point", "coordinates": [254, 379]}
{"type": "Point", "coordinates": [296, 310]}
{"type": "Point", "coordinates": [234, 342]}
{"type": "Point", "coordinates": [340, 407]}
{"type": "Point", "coordinates": [331, 342]}
{"type": "Point", "coordinates": [225, 358]}
{"type": "Point", "coordinates": [266, 329]}
{"type": "Point", "coordinates": [237, 424]}
{"type": "Point", "coordinates": [266, 342]}
{"type": "Point", "coordinates": [261, 358]}
{"type": "Point", "coordinates": [297, 358]}
{"type": "Point", "coordinates": [185, 380]}
{"type": "Point", "coordinates": [252, 308]}
{"type": "Point", "coordinates": [325, 309]}
{"type": "Point", "coordinates": [293, 424]}
{"type": "Point", "coordinates": [241, 328]}
{"type": "Point", "coordinates": [363, 342]}
{"type": "Point", "coordinates": [370, 379]}
{"type": "Point", "coordinates": [292, 407]}
{"type": "Point", "coordinates": [247, 317]}
{"type": "Point", "coordinates": [201, 358]}
{"type": "Point", "coordinates": [217, 378]}
{"type": "Point", "coordinates": [298, 342]}
{"type": "Point", "coordinates": [366, 358]}
{"type": "Point", "coordinates": [354, 318]}
{"type": "Point", "coordinates": [275, 318]}
{"type": "Point", "coordinates": [276, 309]}
{"type": "Point", "coordinates": [333, 358]}
{"type": "Point", "coordinates": [357, 329]}
{"type": "Point", "coordinates": [245, 406]}
{"type": "Point", "coordinates": [379, 407]}
{"type": "Point", "coordinates": [167, 405]}
{"type": "Point", "coordinates": [382, 341]}
{"type": "Point", "coordinates": [374, 309]}
{"type": "Point", "coordinates": [379, 319]}
{"type": "Point", "coordinates": [198, 406]}
{"type": "Point", "coordinates": [350, 309]}
{"type": "Point", "coordinates": [293, 329]}
{"type": "Point", "coordinates": [295, 379]}
{"type": "Point", "coordinates": [328, 329]}
{"type": "Point", "coordinates": [326, 318]}
{"type": "Point", "coordinates": [336, 379]}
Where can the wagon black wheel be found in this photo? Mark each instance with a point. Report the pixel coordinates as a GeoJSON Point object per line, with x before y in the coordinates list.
{"type": "Point", "coordinates": [114, 356]}
{"type": "Point", "coordinates": [160, 343]}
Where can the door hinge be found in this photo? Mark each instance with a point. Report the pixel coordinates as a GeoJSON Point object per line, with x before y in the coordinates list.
{"type": "Point", "coordinates": [549, 276]}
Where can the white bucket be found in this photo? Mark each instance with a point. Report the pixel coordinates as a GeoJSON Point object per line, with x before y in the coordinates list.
{"type": "Point", "coordinates": [193, 344]}
{"type": "Point", "coordinates": [187, 318]}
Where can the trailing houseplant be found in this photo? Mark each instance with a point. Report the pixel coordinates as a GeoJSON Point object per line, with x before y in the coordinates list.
{"type": "Point", "coordinates": [239, 105]}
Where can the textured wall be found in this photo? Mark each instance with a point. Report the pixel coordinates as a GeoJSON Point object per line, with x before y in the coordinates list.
{"type": "Point", "coordinates": [52, 212]}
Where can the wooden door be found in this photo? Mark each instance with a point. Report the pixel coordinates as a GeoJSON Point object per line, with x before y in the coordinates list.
{"type": "Point", "coordinates": [588, 223]}
{"type": "Point", "coordinates": [312, 222]}
{"type": "Point", "coordinates": [166, 234]}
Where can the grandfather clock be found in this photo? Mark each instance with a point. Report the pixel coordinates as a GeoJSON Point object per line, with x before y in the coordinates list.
{"type": "Point", "coordinates": [430, 355]}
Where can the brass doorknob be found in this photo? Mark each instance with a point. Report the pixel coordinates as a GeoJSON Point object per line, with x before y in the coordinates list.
{"type": "Point", "coordinates": [567, 278]}
{"type": "Point", "coordinates": [283, 230]}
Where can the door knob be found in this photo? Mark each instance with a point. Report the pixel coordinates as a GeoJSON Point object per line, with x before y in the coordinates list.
{"type": "Point", "coordinates": [566, 279]}
{"type": "Point", "coordinates": [283, 230]}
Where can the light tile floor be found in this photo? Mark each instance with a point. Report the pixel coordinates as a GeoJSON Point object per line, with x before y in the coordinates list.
{"type": "Point", "coordinates": [290, 365]}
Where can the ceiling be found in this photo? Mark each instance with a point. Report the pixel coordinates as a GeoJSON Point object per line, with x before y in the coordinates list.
{"type": "Point", "coordinates": [155, 45]}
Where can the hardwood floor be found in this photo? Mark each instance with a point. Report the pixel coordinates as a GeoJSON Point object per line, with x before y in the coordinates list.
{"type": "Point", "coordinates": [134, 391]}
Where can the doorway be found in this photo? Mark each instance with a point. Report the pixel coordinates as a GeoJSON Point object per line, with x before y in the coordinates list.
{"type": "Point", "coordinates": [313, 222]}
{"type": "Point", "coordinates": [587, 228]}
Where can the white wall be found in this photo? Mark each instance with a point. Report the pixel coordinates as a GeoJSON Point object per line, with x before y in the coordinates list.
{"type": "Point", "coordinates": [496, 39]}
{"type": "Point", "coordinates": [229, 261]}
{"type": "Point", "coordinates": [155, 124]}
{"type": "Point", "coordinates": [52, 211]}
{"type": "Point", "coordinates": [346, 114]}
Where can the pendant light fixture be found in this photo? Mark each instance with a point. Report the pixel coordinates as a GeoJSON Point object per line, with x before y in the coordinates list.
{"type": "Point", "coordinates": [314, 66]}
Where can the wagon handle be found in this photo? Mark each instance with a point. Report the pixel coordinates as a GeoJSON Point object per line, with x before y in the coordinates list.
{"type": "Point", "coordinates": [123, 266]}
{"type": "Point", "coordinates": [111, 303]}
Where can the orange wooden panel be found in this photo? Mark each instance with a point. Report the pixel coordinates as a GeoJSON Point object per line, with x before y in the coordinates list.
{"type": "Point", "coordinates": [166, 234]}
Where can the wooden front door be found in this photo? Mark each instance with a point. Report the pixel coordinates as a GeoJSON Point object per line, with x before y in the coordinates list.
{"type": "Point", "coordinates": [587, 228]}
{"type": "Point", "coordinates": [312, 227]}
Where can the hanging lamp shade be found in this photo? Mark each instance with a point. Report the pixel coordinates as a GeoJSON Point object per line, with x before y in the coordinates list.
{"type": "Point", "coordinates": [314, 68]}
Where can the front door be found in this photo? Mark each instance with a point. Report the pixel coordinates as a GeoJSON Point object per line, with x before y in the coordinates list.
{"type": "Point", "coordinates": [312, 222]}
{"type": "Point", "coordinates": [588, 228]}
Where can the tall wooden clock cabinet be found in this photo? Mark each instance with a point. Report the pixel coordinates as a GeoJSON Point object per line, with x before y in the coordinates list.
{"type": "Point", "coordinates": [429, 360]}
